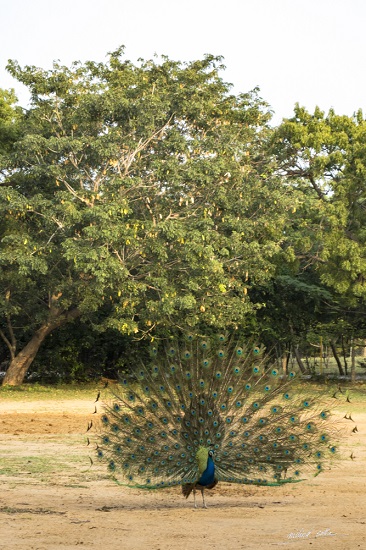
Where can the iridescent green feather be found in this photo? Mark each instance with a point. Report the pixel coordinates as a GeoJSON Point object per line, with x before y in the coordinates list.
{"type": "Point", "coordinates": [214, 395]}
{"type": "Point", "coordinates": [201, 458]}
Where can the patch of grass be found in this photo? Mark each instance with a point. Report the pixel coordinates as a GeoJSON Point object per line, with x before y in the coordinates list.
{"type": "Point", "coordinates": [39, 465]}
{"type": "Point", "coordinates": [30, 392]}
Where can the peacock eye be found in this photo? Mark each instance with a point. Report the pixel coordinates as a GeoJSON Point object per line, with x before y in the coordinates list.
{"type": "Point", "coordinates": [190, 404]}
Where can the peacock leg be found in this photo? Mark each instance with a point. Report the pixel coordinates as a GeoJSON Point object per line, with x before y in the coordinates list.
{"type": "Point", "coordinates": [203, 498]}
{"type": "Point", "coordinates": [194, 497]}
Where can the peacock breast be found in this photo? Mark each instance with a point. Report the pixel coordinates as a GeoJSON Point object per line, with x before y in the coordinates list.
{"type": "Point", "coordinates": [208, 476]}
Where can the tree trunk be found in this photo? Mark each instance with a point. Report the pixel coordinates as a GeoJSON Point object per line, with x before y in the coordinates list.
{"type": "Point", "coordinates": [335, 354]}
{"type": "Point", "coordinates": [321, 352]}
{"type": "Point", "coordinates": [353, 361]}
{"type": "Point", "coordinates": [19, 366]}
{"type": "Point", "coordinates": [299, 360]}
{"type": "Point", "coordinates": [308, 368]}
{"type": "Point", "coordinates": [344, 355]}
{"type": "Point", "coordinates": [285, 361]}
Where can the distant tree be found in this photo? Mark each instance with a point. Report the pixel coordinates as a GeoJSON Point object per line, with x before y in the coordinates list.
{"type": "Point", "coordinates": [324, 157]}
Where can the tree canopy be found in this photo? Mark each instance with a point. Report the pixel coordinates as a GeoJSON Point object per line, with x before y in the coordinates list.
{"type": "Point", "coordinates": [142, 197]}
{"type": "Point", "coordinates": [324, 156]}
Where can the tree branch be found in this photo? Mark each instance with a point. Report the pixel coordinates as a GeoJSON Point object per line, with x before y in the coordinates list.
{"type": "Point", "coordinates": [8, 343]}
{"type": "Point", "coordinates": [316, 187]}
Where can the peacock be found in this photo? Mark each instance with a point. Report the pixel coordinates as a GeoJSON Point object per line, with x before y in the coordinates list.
{"type": "Point", "coordinates": [210, 410]}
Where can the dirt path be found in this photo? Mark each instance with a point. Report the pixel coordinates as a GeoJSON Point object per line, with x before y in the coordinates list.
{"type": "Point", "coordinates": [52, 498]}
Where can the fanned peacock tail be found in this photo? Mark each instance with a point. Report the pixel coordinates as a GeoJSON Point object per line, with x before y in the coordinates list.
{"type": "Point", "coordinates": [218, 396]}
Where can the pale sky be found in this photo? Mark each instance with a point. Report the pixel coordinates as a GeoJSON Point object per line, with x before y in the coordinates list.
{"type": "Point", "coordinates": [307, 51]}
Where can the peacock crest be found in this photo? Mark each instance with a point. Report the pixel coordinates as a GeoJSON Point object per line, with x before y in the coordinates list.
{"type": "Point", "coordinates": [211, 410]}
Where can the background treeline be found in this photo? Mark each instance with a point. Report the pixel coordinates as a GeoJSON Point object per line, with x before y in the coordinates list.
{"type": "Point", "coordinates": [140, 201]}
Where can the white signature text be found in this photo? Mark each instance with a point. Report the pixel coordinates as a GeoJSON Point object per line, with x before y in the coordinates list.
{"type": "Point", "coordinates": [302, 534]}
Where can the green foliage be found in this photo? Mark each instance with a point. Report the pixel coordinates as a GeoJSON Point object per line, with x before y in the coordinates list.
{"type": "Point", "coordinates": [78, 353]}
{"type": "Point", "coordinates": [144, 191]}
{"type": "Point", "coordinates": [324, 156]}
{"type": "Point", "coordinates": [10, 116]}
{"type": "Point", "coordinates": [148, 199]}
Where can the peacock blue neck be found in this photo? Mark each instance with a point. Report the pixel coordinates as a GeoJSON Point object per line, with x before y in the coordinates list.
{"type": "Point", "coordinates": [208, 475]}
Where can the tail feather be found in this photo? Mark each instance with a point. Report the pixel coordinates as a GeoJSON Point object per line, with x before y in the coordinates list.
{"type": "Point", "coordinates": [262, 428]}
{"type": "Point", "coordinates": [187, 489]}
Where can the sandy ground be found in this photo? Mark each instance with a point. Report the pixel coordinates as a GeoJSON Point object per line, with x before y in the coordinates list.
{"type": "Point", "coordinates": [51, 497]}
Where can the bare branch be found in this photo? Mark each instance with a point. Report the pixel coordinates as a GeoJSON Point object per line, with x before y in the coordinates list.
{"type": "Point", "coordinates": [316, 187]}
{"type": "Point", "coordinates": [130, 157]}
{"type": "Point", "coordinates": [8, 343]}
{"type": "Point", "coordinates": [75, 194]}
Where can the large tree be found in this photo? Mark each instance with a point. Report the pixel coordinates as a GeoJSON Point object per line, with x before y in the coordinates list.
{"type": "Point", "coordinates": [141, 191]}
